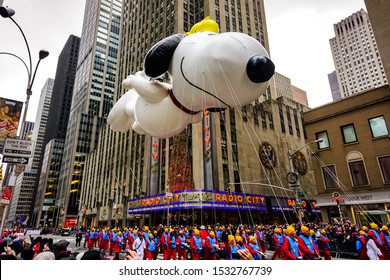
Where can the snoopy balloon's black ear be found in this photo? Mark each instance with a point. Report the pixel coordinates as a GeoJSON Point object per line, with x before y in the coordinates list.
{"type": "Point", "coordinates": [159, 57]}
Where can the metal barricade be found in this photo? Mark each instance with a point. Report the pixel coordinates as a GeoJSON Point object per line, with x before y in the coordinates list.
{"type": "Point", "coordinates": [348, 249]}
{"type": "Point", "coordinates": [334, 248]}
{"type": "Point", "coordinates": [343, 249]}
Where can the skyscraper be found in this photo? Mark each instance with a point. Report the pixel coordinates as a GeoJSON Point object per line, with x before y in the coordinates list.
{"type": "Point", "coordinates": [92, 98]}
{"type": "Point", "coordinates": [379, 10]}
{"type": "Point", "coordinates": [61, 100]}
{"type": "Point", "coordinates": [299, 95]}
{"type": "Point", "coordinates": [22, 198]}
{"type": "Point", "coordinates": [26, 130]}
{"type": "Point", "coordinates": [356, 56]}
{"type": "Point", "coordinates": [205, 159]}
{"type": "Point", "coordinates": [334, 86]}
{"type": "Point", "coordinates": [283, 84]}
{"type": "Point", "coordinates": [50, 164]}
{"type": "Point", "coordinates": [282, 87]}
{"type": "Point", "coordinates": [40, 125]}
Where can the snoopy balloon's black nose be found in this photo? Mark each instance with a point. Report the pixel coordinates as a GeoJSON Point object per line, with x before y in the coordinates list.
{"type": "Point", "coordinates": [260, 69]}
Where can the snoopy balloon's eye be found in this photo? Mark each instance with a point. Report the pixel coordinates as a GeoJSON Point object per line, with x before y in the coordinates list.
{"type": "Point", "coordinates": [260, 69]}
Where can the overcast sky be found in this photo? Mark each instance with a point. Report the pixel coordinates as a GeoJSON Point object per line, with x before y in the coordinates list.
{"type": "Point", "coordinates": [299, 33]}
{"type": "Point", "coordinates": [46, 24]}
{"type": "Point", "coordinates": [298, 30]}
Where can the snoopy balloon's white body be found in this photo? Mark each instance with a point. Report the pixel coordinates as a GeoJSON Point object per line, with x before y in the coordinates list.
{"type": "Point", "coordinates": [208, 70]}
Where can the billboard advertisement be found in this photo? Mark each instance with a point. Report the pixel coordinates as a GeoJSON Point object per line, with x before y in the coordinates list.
{"type": "Point", "coordinates": [10, 113]}
{"type": "Point", "coordinates": [70, 222]}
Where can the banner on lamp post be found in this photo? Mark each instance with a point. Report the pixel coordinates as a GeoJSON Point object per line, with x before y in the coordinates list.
{"type": "Point", "coordinates": [6, 194]}
{"type": "Point", "coordinates": [10, 112]}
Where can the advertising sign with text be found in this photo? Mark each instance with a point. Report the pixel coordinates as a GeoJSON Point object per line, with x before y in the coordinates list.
{"type": "Point", "coordinates": [10, 112]}
{"type": "Point", "coordinates": [199, 199]}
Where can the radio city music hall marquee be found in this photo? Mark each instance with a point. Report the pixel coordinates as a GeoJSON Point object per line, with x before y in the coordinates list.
{"type": "Point", "coordinates": [199, 199]}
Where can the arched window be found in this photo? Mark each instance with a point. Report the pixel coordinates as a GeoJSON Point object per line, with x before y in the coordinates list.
{"type": "Point", "coordinates": [357, 169]}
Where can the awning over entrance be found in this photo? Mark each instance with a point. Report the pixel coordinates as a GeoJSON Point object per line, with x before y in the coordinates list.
{"type": "Point", "coordinates": [377, 212]}
{"type": "Point", "coordinates": [355, 198]}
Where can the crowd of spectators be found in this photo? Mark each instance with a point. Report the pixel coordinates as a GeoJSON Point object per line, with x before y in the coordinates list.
{"type": "Point", "coordinates": [14, 244]}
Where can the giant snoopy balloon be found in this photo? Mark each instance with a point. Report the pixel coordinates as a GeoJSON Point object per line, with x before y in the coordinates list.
{"type": "Point", "coordinates": [208, 71]}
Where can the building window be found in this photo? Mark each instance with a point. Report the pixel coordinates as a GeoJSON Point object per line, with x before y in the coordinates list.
{"type": "Point", "coordinates": [297, 130]}
{"type": "Point", "coordinates": [255, 115]}
{"type": "Point", "coordinates": [324, 144]}
{"type": "Point", "coordinates": [304, 129]}
{"type": "Point", "coordinates": [357, 169]}
{"type": "Point", "coordinates": [263, 119]}
{"type": "Point", "coordinates": [290, 128]}
{"type": "Point", "coordinates": [330, 178]}
{"type": "Point", "coordinates": [349, 134]}
{"type": "Point", "coordinates": [244, 113]}
{"type": "Point", "coordinates": [378, 126]}
{"type": "Point", "coordinates": [281, 116]}
{"type": "Point", "coordinates": [384, 163]}
{"type": "Point", "coordinates": [271, 120]}
{"type": "Point", "coordinates": [237, 181]}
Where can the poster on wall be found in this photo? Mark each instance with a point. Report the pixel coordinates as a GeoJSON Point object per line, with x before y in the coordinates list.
{"type": "Point", "coordinates": [10, 112]}
{"type": "Point", "coordinates": [6, 193]}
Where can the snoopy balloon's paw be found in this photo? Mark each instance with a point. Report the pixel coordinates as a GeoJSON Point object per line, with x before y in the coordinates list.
{"type": "Point", "coordinates": [121, 117]}
{"type": "Point", "coordinates": [149, 89]}
{"type": "Point", "coordinates": [126, 83]}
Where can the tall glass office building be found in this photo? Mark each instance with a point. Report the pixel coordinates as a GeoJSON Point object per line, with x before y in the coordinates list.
{"type": "Point", "coordinates": [23, 197]}
{"type": "Point", "coordinates": [92, 99]}
{"type": "Point", "coordinates": [45, 191]}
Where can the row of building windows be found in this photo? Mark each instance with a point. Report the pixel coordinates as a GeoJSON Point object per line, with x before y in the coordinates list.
{"type": "Point", "coordinates": [377, 126]}
{"type": "Point", "coordinates": [357, 171]}
{"type": "Point", "coordinates": [349, 23]}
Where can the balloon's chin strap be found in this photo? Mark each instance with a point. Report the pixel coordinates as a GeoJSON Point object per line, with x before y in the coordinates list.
{"type": "Point", "coordinates": [179, 105]}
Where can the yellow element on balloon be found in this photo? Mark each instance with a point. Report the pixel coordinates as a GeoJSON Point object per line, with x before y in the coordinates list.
{"type": "Point", "coordinates": [206, 24]}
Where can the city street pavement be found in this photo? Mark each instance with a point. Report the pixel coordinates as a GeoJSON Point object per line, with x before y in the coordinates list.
{"type": "Point", "coordinates": [56, 238]}
{"type": "Point", "coordinates": [72, 245]}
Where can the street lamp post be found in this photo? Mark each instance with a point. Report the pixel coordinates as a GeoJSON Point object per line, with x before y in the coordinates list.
{"type": "Point", "coordinates": [293, 179]}
{"type": "Point", "coordinates": [7, 12]}
{"type": "Point", "coordinates": [42, 54]}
